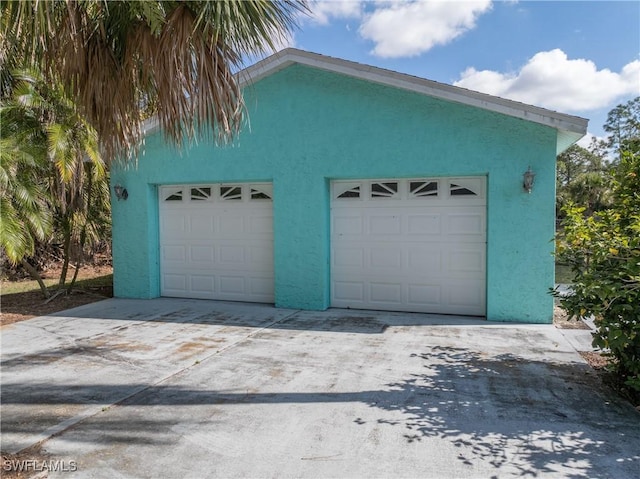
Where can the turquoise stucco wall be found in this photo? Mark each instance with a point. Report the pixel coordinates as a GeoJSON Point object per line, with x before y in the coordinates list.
{"type": "Point", "coordinates": [308, 127]}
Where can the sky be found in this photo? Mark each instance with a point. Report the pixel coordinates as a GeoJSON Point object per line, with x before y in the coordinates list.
{"type": "Point", "coordinates": [576, 57]}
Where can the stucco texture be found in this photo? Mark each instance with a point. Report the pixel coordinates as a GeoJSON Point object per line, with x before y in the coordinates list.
{"type": "Point", "coordinates": [307, 127]}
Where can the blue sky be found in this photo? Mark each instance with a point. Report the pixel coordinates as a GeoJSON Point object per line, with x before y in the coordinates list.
{"type": "Point", "coordinates": [576, 57]}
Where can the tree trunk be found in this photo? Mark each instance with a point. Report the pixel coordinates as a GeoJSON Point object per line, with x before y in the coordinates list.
{"type": "Point", "coordinates": [35, 275]}
{"type": "Point", "coordinates": [75, 273]}
{"type": "Point", "coordinates": [83, 233]}
{"type": "Point", "coordinates": [66, 253]}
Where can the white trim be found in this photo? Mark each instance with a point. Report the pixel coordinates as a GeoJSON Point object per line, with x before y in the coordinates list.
{"type": "Point", "coordinates": [289, 56]}
{"type": "Point", "coordinates": [570, 128]}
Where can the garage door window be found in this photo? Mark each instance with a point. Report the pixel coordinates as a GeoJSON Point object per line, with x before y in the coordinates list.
{"type": "Point", "coordinates": [418, 188]}
{"type": "Point", "coordinates": [348, 190]}
{"type": "Point", "coordinates": [261, 192]}
{"type": "Point", "coordinates": [423, 189]}
{"type": "Point", "coordinates": [384, 190]}
{"type": "Point", "coordinates": [172, 194]}
{"type": "Point", "coordinates": [200, 194]}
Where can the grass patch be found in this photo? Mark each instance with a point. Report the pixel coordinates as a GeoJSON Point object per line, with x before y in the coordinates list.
{"type": "Point", "coordinates": [23, 299]}
{"type": "Point", "coordinates": [13, 287]}
{"type": "Point", "coordinates": [563, 274]}
{"type": "Point", "coordinates": [90, 277]}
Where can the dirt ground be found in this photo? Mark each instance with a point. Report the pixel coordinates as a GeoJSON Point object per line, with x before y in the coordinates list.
{"type": "Point", "coordinates": [20, 306]}
{"type": "Point", "coordinates": [561, 321]}
{"type": "Point", "coordinates": [28, 464]}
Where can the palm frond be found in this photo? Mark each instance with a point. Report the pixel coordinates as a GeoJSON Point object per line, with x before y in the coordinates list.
{"type": "Point", "coordinates": [116, 58]}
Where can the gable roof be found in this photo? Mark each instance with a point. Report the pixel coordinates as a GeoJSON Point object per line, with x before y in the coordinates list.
{"type": "Point", "coordinates": [570, 128]}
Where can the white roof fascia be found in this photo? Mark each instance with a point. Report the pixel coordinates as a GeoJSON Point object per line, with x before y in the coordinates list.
{"type": "Point", "coordinates": [573, 126]}
{"type": "Point", "coordinates": [570, 128]}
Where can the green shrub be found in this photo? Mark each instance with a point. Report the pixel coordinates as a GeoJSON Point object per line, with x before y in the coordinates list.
{"type": "Point", "coordinates": [604, 253]}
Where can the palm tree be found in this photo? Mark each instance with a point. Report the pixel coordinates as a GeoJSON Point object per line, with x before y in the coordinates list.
{"type": "Point", "coordinates": [592, 190]}
{"type": "Point", "coordinates": [47, 137]}
{"type": "Point", "coordinates": [25, 217]}
{"type": "Point", "coordinates": [116, 58]}
{"type": "Point", "coordinates": [577, 173]}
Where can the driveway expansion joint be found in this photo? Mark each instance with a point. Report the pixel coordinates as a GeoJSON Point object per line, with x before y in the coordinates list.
{"type": "Point", "coordinates": [287, 393]}
{"type": "Point", "coordinates": [100, 408]}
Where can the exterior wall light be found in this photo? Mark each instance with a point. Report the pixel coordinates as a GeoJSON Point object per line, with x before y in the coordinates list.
{"type": "Point", "coordinates": [527, 180]}
{"type": "Point", "coordinates": [121, 192]}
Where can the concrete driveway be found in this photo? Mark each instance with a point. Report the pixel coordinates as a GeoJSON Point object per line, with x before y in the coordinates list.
{"type": "Point", "coordinates": [187, 388]}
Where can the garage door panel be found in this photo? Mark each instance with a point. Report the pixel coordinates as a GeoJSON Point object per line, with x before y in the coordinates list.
{"type": "Point", "coordinates": [261, 225]}
{"type": "Point", "coordinates": [348, 291]}
{"type": "Point", "coordinates": [385, 258]}
{"type": "Point", "coordinates": [231, 254]}
{"type": "Point", "coordinates": [175, 282]}
{"type": "Point", "coordinates": [172, 252]}
{"type": "Point", "coordinates": [217, 243]}
{"type": "Point", "coordinates": [201, 226]}
{"type": "Point", "coordinates": [261, 259]}
{"type": "Point", "coordinates": [384, 225]}
{"type": "Point", "coordinates": [348, 225]}
{"type": "Point", "coordinates": [427, 260]}
{"type": "Point", "coordinates": [261, 287]}
{"type": "Point", "coordinates": [174, 227]}
{"type": "Point", "coordinates": [423, 224]}
{"type": "Point", "coordinates": [417, 249]}
{"type": "Point", "coordinates": [385, 293]}
{"type": "Point", "coordinates": [464, 293]}
{"type": "Point", "coordinates": [231, 225]}
{"type": "Point", "coordinates": [422, 295]}
{"type": "Point", "coordinates": [202, 254]}
{"type": "Point", "coordinates": [466, 262]}
{"type": "Point", "coordinates": [235, 285]}
{"type": "Point", "coordinates": [348, 257]}
{"type": "Point", "coordinates": [465, 224]}
{"type": "Point", "coordinates": [202, 284]}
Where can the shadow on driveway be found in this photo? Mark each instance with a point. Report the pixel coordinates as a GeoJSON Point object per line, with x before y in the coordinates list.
{"type": "Point", "coordinates": [202, 389]}
{"type": "Point", "coordinates": [254, 315]}
{"type": "Point", "coordinates": [532, 416]}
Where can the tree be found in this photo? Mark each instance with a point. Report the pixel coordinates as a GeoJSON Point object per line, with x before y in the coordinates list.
{"type": "Point", "coordinates": [592, 190]}
{"type": "Point", "coordinates": [25, 216]}
{"type": "Point", "coordinates": [582, 178]}
{"type": "Point", "coordinates": [95, 70]}
{"type": "Point", "coordinates": [116, 58]}
{"type": "Point", "coordinates": [623, 126]}
{"type": "Point", "coordinates": [54, 151]}
{"type": "Point", "coordinates": [604, 253]}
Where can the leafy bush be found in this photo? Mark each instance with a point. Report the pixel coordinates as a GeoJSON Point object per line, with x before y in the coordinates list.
{"type": "Point", "coordinates": [604, 253]}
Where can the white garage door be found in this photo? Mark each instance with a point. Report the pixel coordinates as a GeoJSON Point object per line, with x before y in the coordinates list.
{"type": "Point", "coordinates": [409, 245]}
{"type": "Point", "coordinates": [216, 242]}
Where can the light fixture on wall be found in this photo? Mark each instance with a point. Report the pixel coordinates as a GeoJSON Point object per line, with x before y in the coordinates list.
{"type": "Point", "coordinates": [121, 192]}
{"type": "Point", "coordinates": [527, 180]}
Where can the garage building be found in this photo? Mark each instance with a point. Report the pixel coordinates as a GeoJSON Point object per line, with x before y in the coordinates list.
{"type": "Point", "coordinates": [351, 187]}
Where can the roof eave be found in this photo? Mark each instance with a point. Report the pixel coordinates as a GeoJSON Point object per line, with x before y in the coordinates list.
{"type": "Point", "coordinates": [284, 58]}
{"type": "Point", "coordinates": [570, 128]}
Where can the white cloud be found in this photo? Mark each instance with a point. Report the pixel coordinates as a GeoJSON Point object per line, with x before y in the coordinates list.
{"type": "Point", "coordinates": [322, 11]}
{"type": "Point", "coordinates": [588, 139]}
{"type": "Point", "coordinates": [551, 80]}
{"type": "Point", "coordinates": [409, 28]}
